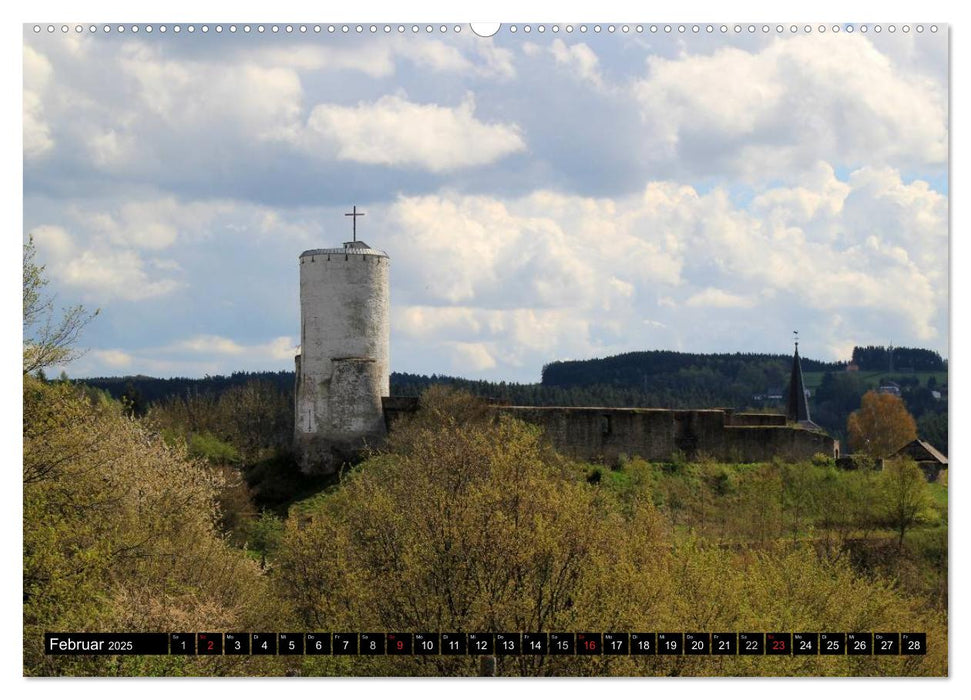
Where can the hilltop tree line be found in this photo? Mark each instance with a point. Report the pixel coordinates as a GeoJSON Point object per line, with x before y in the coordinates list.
{"type": "Point", "coordinates": [877, 358]}
{"type": "Point", "coordinates": [632, 368]}
{"type": "Point", "coordinates": [140, 391]}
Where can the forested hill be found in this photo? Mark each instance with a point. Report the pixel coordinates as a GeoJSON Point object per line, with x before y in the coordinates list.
{"type": "Point", "coordinates": [632, 368]}
{"type": "Point", "coordinates": [143, 391]}
{"type": "Point", "coordinates": [879, 358]}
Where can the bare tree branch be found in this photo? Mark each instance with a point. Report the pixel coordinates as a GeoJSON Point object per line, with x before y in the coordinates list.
{"type": "Point", "coordinates": [48, 339]}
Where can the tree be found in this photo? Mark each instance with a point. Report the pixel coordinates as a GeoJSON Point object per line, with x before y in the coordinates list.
{"type": "Point", "coordinates": [933, 428]}
{"type": "Point", "coordinates": [905, 498]}
{"type": "Point", "coordinates": [881, 426]}
{"type": "Point", "coordinates": [120, 535]}
{"type": "Point", "coordinates": [469, 522]}
{"type": "Point", "coordinates": [48, 340]}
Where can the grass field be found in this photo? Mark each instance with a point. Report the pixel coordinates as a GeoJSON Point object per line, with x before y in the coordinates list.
{"type": "Point", "coordinates": [939, 494]}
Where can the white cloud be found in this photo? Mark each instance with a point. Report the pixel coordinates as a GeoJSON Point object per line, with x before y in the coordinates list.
{"type": "Point", "coordinates": [206, 353]}
{"type": "Point", "coordinates": [112, 274]}
{"type": "Point", "coordinates": [578, 58]}
{"type": "Point", "coordinates": [428, 321]}
{"type": "Point", "coordinates": [551, 275]}
{"type": "Point", "coordinates": [100, 273]}
{"type": "Point", "coordinates": [118, 359]}
{"type": "Point", "coordinates": [282, 348]}
{"type": "Point", "coordinates": [847, 256]}
{"type": "Point", "coordinates": [38, 72]}
{"type": "Point", "coordinates": [380, 59]}
{"type": "Point", "coordinates": [713, 298]}
{"type": "Point", "coordinates": [158, 111]}
{"type": "Point", "coordinates": [373, 61]}
{"type": "Point", "coordinates": [53, 240]}
{"type": "Point", "coordinates": [779, 109]}
{"type": "Point", "coordinates": [496, 62]}
{"type": "Point", "coordinates": [435, 55]}
{"type": "Point", "coordinates": [476, 339]}
{"type": "Point", "coordinates": [535, 258]}
{"type": "Point", "coordinates": [257, 101]}
{"type": "Point", "coordinates": [157, 223]}
{"type": "Point", "coordinates": [208, 345]}
{"type": "Point", "coordinates": [546, 248]}
{"type": "Point", "coordinates": [395, 132]}
{"type": "Point", "coordinates": [530, 48]}
{"type": "Point", "coordinates": [37, 134]}
{"type": "Point", "coordinates": [475, 356]}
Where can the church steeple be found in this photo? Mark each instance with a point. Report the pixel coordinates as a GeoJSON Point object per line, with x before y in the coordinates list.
{"type": "Point", "coordinates": [797, 409]}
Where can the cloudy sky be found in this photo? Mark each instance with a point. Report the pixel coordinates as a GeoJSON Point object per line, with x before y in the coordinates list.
{"type": "Point", "coordinates": [542, 195]}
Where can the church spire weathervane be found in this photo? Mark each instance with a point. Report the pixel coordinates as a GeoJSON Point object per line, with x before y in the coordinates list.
{"type": "Point", "coordinates": [354, 213]}
{"type": "Point", "coordinates": [797, 406]}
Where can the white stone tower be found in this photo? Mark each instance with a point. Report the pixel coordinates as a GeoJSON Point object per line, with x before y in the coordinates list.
{"type": "Point", "coordinates": [343, 369]}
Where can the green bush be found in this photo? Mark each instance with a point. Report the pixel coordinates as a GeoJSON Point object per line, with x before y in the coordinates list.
{"type": "Point", "coordinates": [264, 535]}
{"type": "Point", "coordinates": [723, 482]}
{"type": "Point", "coordinates": [120, 535]}
{"type": "Point", "coordinates": [210, 448]}
{"type": "Point", "coordinates": [822, 460]}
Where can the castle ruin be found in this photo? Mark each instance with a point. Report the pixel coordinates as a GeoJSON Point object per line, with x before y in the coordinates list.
{"type": "Point", "coordinates": [343, 401]}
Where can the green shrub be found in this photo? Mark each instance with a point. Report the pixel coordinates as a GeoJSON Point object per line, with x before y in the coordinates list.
{"type": "Point", "coordinates": [822, 460]}
{"type": "Point", "coordinates": [723, 482]}
{"type": "Point", "coordinates": [210, 448]}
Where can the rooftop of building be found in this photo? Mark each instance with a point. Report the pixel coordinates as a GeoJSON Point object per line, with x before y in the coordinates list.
{"type": "Point", "coordinates": [350, 248]}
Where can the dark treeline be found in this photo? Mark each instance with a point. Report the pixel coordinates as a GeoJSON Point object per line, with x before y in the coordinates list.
{"type": "Point", "coordinates": [876, 358]}
{"type": "Point", "coordinates": [695, 388]}
{"type": "Point", "coordinates": [632, 368]}
{"type": "Point", "coordinates": [142, 391]}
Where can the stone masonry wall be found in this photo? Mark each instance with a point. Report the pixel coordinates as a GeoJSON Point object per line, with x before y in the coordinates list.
{"type": "Point", "coordinates": [603, 434]}
{"type": "Point", "coordinates": [655, 434]}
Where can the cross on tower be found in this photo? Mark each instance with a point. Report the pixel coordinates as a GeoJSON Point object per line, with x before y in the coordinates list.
{"type": "Point", "coordinates": [354, 213]}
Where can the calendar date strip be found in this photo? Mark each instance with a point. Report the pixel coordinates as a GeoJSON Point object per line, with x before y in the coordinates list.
{"type": "Point", "coordinates": [487, 643]}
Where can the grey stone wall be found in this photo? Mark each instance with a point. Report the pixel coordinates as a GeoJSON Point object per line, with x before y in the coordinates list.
{"type": "Point", "coordinates": [603, 434]}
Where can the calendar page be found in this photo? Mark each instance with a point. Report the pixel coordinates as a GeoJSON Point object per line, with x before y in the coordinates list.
{"type": "Point", "coordinates": [441, 349]}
